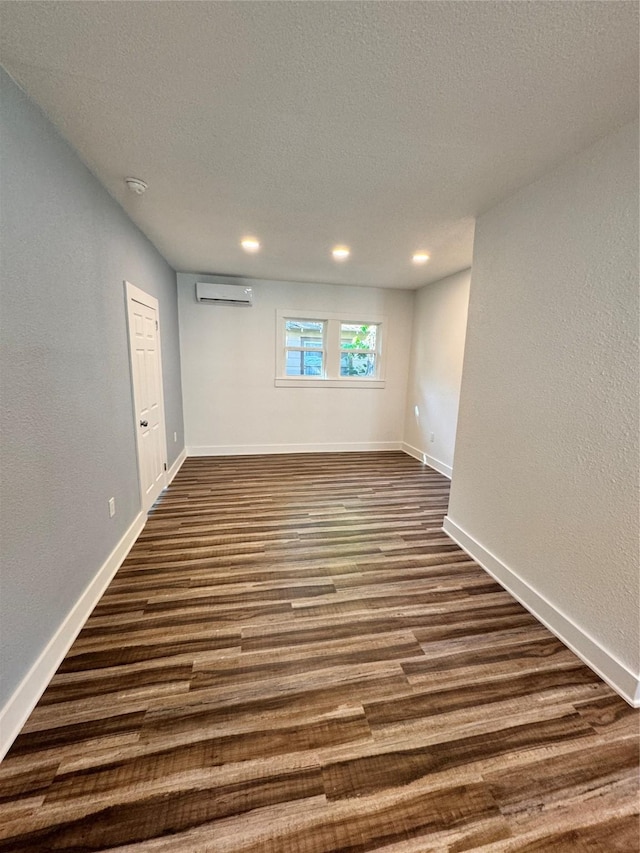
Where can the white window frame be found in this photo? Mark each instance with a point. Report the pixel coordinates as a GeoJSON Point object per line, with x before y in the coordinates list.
{"type": "Point", "coordinates": [317, 350]}
{"type": "Point", "coordinates": [331, 348]}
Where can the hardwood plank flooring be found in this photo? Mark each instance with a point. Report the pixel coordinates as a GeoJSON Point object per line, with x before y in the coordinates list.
{"type": "Point", "coordinates": [295, 659]}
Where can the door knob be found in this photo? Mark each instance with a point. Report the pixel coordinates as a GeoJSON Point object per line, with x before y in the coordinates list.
{"type": "Point", "coordinates": [144, 423]}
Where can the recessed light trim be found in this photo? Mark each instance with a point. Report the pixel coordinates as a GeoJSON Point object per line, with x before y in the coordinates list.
{"type": "Point", "coordinates": [341, 253]}
{"type": "Point", "coordinates": [250, 244]}
{"type": "Point", "coordinates": [421, 257]}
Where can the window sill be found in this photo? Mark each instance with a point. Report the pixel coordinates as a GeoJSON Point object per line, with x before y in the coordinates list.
{"type": "Point", "coordinates": [319, 382]}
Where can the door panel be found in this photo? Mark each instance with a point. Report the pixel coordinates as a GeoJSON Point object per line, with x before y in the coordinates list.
{"type": "Point", "coordinates": [147, 392]}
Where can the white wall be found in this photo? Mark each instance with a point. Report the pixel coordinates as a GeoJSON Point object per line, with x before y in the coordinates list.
{"type": "Point", "coordinates": [66, 416]}
{"type": "Point", "coordinates": [437, 350]}
{"type": "Point", "coordinates": [228, 368]}
{"type": "Point", "coordinates": [545, 486]}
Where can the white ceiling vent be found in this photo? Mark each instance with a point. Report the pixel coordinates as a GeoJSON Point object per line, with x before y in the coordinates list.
{"type": "Point", "coordinates": [222, 292]}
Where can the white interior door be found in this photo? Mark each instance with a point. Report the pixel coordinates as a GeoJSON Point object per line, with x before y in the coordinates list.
{"type": "Point", "coordinates": [146, 375]}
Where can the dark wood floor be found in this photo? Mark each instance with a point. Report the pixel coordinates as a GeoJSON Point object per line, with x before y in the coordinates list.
{"type": "Point", "coordinates": [295, 659]}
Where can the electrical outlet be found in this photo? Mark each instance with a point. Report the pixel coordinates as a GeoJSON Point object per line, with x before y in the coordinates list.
{"type": "Point", "coordinates": [432, 437]}
{"type": "Point", "coordinates": [112, 507]}
{"type": "Point", "coordinates": [175, 436]}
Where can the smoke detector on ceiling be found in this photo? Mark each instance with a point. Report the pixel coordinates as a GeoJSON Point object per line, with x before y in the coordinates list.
{"type": "Point", "coordinates": [135, 185]}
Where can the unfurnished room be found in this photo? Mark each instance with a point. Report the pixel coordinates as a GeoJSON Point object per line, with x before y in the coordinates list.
{"type": "Point", "coordinates": [319, 407]}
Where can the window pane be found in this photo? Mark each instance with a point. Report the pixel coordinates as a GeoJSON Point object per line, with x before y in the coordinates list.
{"type": "Point", "coordinates": [357, 336]}
{"type": "Point", "coordinates": [304, 333]}
{"type": "Point", "coordinates": [357, 364]}
{"type": "Point", "coordinates": [304, 363]}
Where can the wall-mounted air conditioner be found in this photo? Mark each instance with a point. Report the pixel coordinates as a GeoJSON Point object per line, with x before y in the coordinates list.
{"type": "Point", "coordinates": [222, 292]}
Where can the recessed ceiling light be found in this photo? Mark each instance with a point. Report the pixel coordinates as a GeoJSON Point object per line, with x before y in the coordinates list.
{"type": "Point", "coordinates": [250, 244]}
{"type": "Point", "coordinates": [421, 257]}
{"type": "Point", "coordinates": [341, 253]}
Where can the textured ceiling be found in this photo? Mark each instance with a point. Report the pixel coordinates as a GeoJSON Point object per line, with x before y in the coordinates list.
{"type": "Point", "coordinates": [387, 126]}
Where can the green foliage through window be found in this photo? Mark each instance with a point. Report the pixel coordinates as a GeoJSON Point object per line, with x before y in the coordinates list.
{"type": "Point", "coordinates": [358, 349]}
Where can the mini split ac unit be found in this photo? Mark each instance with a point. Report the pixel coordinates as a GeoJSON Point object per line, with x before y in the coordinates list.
{"type": "Point", "coordinates": [224, 292]}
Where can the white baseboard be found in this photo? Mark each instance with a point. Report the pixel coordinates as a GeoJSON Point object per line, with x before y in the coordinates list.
{"type": "Point", "coordinates": [431, 461]}
{"type": "Point", "coordinates": [177, 465]}
{"type": "Point", "coordinates": [15, 713]}
{"type": "Point", "coordinates": [599, 659]}
{"type": "Point", "coordinates": [255, 449]}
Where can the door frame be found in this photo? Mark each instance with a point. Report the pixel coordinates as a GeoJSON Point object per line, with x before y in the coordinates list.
{"type": "Point", "coordinates": [135, 294]}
